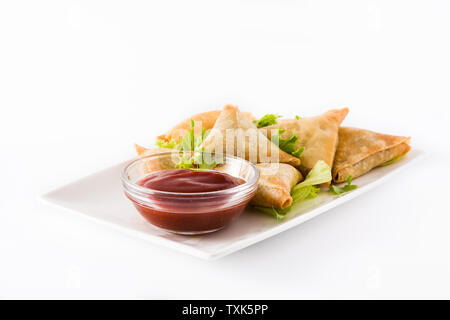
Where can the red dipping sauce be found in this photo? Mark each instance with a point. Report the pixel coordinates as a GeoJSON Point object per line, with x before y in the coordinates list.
{"type": "Point", "coordinates": [189, 181]}
{"type": "Point", "coordinates": [192, 201]}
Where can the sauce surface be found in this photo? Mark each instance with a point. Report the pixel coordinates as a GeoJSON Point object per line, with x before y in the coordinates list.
{"type": "Point", "coordinates": [189, 181]}
{"type": "Point", "coordinates": [188, 210]}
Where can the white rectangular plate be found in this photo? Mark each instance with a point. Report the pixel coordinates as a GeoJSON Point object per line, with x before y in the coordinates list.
{"type": "Point", "coordinates": [100, 197]}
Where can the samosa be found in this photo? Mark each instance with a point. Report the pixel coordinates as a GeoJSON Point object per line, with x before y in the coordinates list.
{"type": "Point", "coordinates": [207, 120]}
{"type": "Point", "coordinates": [318, 135]}
{"type": "Point", "coordinates": [275, 183]}
{"type": "Point", "coordinates": [361, 150]}
{"type": "Point", "coordinates": [144, 152]}
{"type": "Point", "coordinates": [156, 163]}
{"type": "Point", "coordinates": [235, 134]}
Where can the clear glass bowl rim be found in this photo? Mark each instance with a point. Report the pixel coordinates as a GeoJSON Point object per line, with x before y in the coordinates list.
{"type": "Point", "coordinates": [245, 187]}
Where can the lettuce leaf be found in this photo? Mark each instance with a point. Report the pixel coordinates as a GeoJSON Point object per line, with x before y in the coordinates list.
{"type": "Point", "coordinates": [288, 145]}
{"type": "Point", "coordinates": [190, 141]}
{"type": "Point", "coordinates": [166, 144]}
{"type": "Point", "coordinates": [186, 161]}
{"type": "Point", "coordinates": [276, 213]}
{"type": "Point", "coordinates": [305, 192]}
{"type": "Point", "coordinates": [192, 156]}
{"type": "Point", "coordinates": [321, 173]}
{"type": "Point", "coordinates": [267, 120]}
{"type": "Point", "coordinates": [348, 187]}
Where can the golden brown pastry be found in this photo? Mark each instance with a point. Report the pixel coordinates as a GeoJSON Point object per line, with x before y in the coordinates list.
{"type": "Point", "coordinates": [207, 119]}
{"type": "Point", "coordinates": [361, 150]}
{"type": "Point", "coordinates": [319, 136]}
{"type": "Point", "coordinates": [144, 152]}
{"type": "Point", "coordinates": [235, 134]}
{"type": "Point", "coordinates": [275, 183]}
{"type": "Point", "coordinates": [155, 164]}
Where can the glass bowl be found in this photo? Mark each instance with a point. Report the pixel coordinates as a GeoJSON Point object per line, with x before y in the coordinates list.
{"type": "Point", "coordinates": [189, 213]}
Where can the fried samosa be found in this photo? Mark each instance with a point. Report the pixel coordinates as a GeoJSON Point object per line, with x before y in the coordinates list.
{"type": "Point", "coordinates": [155, 164]}
{"type": "Point", "coordinates": [207, 120]}
{"type": "Point", "coordinates": [144, 152]}
{"type": "Point", "coordinates": [235, 134]}
{"type": "Point", "coordinates": [275, 183]}
{"type": "Point", "coordinates": [319, 136]}
{"type": "Point", "coordinates": [361, 150]}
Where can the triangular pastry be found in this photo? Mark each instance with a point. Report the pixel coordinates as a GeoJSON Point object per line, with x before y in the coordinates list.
{"type": "Point", "coordinates": [319, 136]}
{"type": "Point", "coordinates": [206, 119]}
{"type": "Point", "coordinates": [235, 134]}
{"type": "Point", "coordinates": [275, 183]}
{"type": "Point", "coordinates": [361, 150]}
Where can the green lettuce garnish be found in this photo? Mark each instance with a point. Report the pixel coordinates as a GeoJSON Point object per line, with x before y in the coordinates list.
{"type": "Point", "coordinates": [348, 187]}
{"type": "Point", "coordinates": [168, 145]}
{"type": "Point", "coordinates": [192, 152]}
{"type": "Point", "coordinates": [190, 141]}
{"type": "Point", "coordinates": [267, 120]}
{"type": "Point", "coordinates": [288, 145]}
{"type": "Point", "coordinates": [321, 173]}
{"type": "Point", "coordinates": [278, 214]}
{"type": "Point", "coordinates": [191, 146]}
{"type": "Point", "coordinates": [297, 117]}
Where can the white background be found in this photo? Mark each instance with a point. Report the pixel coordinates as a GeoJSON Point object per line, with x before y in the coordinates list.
{"type": "Point", "coordinates": [80, 81]}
